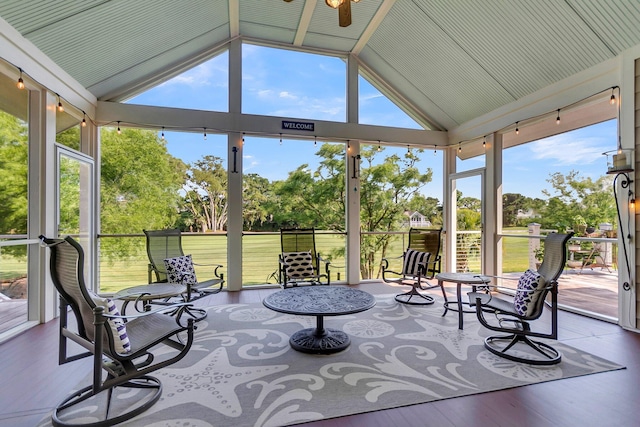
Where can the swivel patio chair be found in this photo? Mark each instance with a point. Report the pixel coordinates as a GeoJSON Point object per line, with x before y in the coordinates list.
{"type": "Point", "coordinates": [123, 353]}
{"type": "Point", "coordinates": [513, 317]}
{"type": "Point", "coordinates": [299, 263]}
{"type": "Point", "coordinates": [420, 263]}
{"type": "Point", "coordinates": [168, 263]}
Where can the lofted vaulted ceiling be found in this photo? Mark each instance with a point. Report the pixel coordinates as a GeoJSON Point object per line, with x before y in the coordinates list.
{"type": "Point", "coordinates": [451, 61]}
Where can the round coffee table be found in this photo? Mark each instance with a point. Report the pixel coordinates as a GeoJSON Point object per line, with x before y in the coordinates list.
{"type": "Point", "coordinates": [320, 301]}
{"type": "Point", "coordinates": [459, 279]}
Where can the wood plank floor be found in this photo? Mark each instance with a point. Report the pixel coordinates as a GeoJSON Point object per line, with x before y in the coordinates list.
{"type": "Point", "coordinates": [32, 382]}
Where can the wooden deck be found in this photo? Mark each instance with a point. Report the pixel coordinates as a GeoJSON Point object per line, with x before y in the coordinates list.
{"type": "Point", "coordinates": [32, 382]}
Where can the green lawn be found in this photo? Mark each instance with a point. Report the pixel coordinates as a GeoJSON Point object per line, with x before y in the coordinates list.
{"type": "Point", "coordinates": [260, 258]}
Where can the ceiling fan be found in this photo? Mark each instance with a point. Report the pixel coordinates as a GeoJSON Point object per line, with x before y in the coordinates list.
{"type": "Point", "coordinates": [344, 10]}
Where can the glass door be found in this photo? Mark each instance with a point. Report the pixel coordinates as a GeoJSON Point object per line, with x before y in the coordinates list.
{"type": "Point", "coordinates": [75, 202]}
{"type": "Point", "coordinates": [467, 229]}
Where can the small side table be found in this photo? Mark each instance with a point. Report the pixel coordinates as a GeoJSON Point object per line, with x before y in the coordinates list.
{"type": "Point", "coordinates": [459, 279]}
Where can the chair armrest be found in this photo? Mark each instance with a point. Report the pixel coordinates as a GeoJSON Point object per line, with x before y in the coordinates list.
{"type": "Point", "coordinates": [171, 307]}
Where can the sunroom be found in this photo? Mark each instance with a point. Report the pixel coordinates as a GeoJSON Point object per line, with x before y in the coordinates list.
{"type": "Point", "coordinates": [469, 88]}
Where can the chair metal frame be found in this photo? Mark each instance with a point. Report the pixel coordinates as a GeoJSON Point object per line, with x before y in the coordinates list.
{"type": "Point", "coordinates": [553, 263]}
{"type": "Point", "coordinates": [302, 240]}
{"type": "Point", "coordinates": [93, 333]}
{"type": "Point", "coordinates": [423, 240]}
{"type": "Point", "coordinates": [170, 246]}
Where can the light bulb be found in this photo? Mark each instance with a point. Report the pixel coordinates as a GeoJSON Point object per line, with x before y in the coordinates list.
{"type": "Point", "coordinates": [119, 132]}
{"type": "Point", "coordinates": [558, 118]}
{"type": "Point", "coordinates": [84, 120]}
{"type": "Point", "coordinates": [162, 136]}
{"type": "Point", "coordinates": [20, 81]}
{"type": "Point", "coordinates": [517, 129]}
{"type": "Point", "coordinates": [60, 107]}
{"type": "Point", "coordinates": [334, 3]}
{"type": "Point", "coordinates": [613, 98]}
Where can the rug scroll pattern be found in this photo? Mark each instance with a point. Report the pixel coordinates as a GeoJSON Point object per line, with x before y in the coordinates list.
{"type": "Point", "coordinates": [242, 372]}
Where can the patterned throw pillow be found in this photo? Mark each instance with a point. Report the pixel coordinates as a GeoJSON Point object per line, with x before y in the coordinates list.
{"type": "Point", "coordinates": [118, 327]}
{"type": "Point", "coordinates": [413, 260]}
{"type": "Point", "coordinates": [524, 301]}
{"type": "Point", "coordinates": [299, 264]}
{"type": "Point", "coordinates": [180, 270]}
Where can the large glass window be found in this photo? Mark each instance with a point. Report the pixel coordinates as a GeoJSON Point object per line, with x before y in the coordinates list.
{"type": "Point", "coordinates": [14, 147]}
{"type": "Point", "coordinates": [560, 184]}
{"type": "Point", "coordinates": [286, 83]}
{"type": "Point", "coordinates": [291, 183]}
{"type": "Point", "coordinates": [397, 192]}
{"type": "Point", "coordinates": [376, 109]}
{"type": "Point", "coordinates": [204, 87]}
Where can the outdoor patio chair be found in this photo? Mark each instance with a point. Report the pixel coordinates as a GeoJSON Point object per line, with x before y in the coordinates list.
{"type": "Point", "coordinates": [122, 347]}
{"type": "Point", "coordinates": [168, 263]}
{"type": "Point", "coordinates": [299, 263]}
{"type": "Point", "coordinates": [513, 316]}
{"type": "Point", "coordinates": [420, 263]}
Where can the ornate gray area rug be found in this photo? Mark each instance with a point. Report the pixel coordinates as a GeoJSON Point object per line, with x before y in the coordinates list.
{"type": "Point", "coordinates": [241, 370]}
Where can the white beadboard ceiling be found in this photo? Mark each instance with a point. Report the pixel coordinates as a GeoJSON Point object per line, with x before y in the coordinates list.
{"type": "Point", "coordinates": [450, 61]}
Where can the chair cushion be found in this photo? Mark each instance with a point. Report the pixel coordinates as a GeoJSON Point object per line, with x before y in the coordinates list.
{"type": "Point", "coordinates": [180, 270]}
{"type": "Point", "coordinates": [525, 302]}
{"type": "Point", "coordinates": [299, 264]}
{"type": "Point", "coordinates": [118, 326]}
{"type": "Point", "coordinates": [412, 261]}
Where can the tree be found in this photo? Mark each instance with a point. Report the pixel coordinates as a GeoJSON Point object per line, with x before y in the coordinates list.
{"type": "Point", "coordinates": [575, 195]}
{"type": "Point", "coordinates": [14, 145]}
{"type": "Point", "coordinates": [206, 181]}
{"type": "Point", "coordinates": [140, 183]}
{"type": "Point", "coordinates": [258, 200]}
{"type": "Point", "coordinates": [512, 203]}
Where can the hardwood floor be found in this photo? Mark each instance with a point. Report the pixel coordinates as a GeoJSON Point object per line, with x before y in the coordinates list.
{"type": "Point", "coordinates": [32, 382]}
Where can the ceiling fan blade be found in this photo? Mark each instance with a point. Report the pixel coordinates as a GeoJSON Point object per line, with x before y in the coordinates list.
{"type": "Point", "coordinates": [344, 14]}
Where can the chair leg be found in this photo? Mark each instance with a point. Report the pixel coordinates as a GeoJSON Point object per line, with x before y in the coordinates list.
{"type": "Point", "coordinates": [69, 411]}
{"type": "Point", "coordinates": [414, 297]}
{"type": "Point", "coordinates": [550, 356]}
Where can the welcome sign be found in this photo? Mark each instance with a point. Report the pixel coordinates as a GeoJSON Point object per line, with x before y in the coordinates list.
{"type": "Point", "coordinates": [291, 125]}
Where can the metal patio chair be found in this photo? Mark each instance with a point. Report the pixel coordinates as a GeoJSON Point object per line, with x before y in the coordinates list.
{"type": "Point", "coordinates": [122, 347]}
{"type": "Point", "coordinates": [420, 263]}
{"type": "Point", "coordinates": [299, 263]}
{"type": "Point", "coordinates": [513, 316]}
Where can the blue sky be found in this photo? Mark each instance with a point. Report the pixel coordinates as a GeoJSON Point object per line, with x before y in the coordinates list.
{"type": "Point", "coordinates": [307, 86]}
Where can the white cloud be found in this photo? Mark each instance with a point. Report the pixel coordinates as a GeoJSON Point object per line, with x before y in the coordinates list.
{"type": "Point", "coordinates": [566, 150]}
{"type": "Point", "coordinates": [287, 95]}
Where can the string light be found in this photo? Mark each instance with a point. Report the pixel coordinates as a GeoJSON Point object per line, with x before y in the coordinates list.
{"type": "Point", "coordinates": [84, 119]}
{"type": "Point", "coordinates": [119, 132]}
{"type": "Point", "coordinates": [315, 141]}
{"type": "Point", "coordinates": [379, 147]}
{"type": "Point", "coordinates": [408, 149]}
{"type": "Point", "coordinates": [435, 152]}
{"type": "Point", "coordinates": [460, 148]}
{"type": "Point", "coordinates": [558, 117]}
{"type": "Point", "coordinates": [517, 130]}
{"type": "Point", "coordinates": [484, 142]}
{"type": "Point", "coordinates": [612, 100]}
{"type": "Point", "coordinates": [280, 138]}
{"type": "Point", "coordinates": [205, 133]}
{"type": "Point", "coordinates": [162, 135]}
{"type": "Point", "coordinates": [20, 81]}
{"type": "Point", "coordinates": [348, 146]}
{"type": "Point", "coordinates": [60, 107]}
